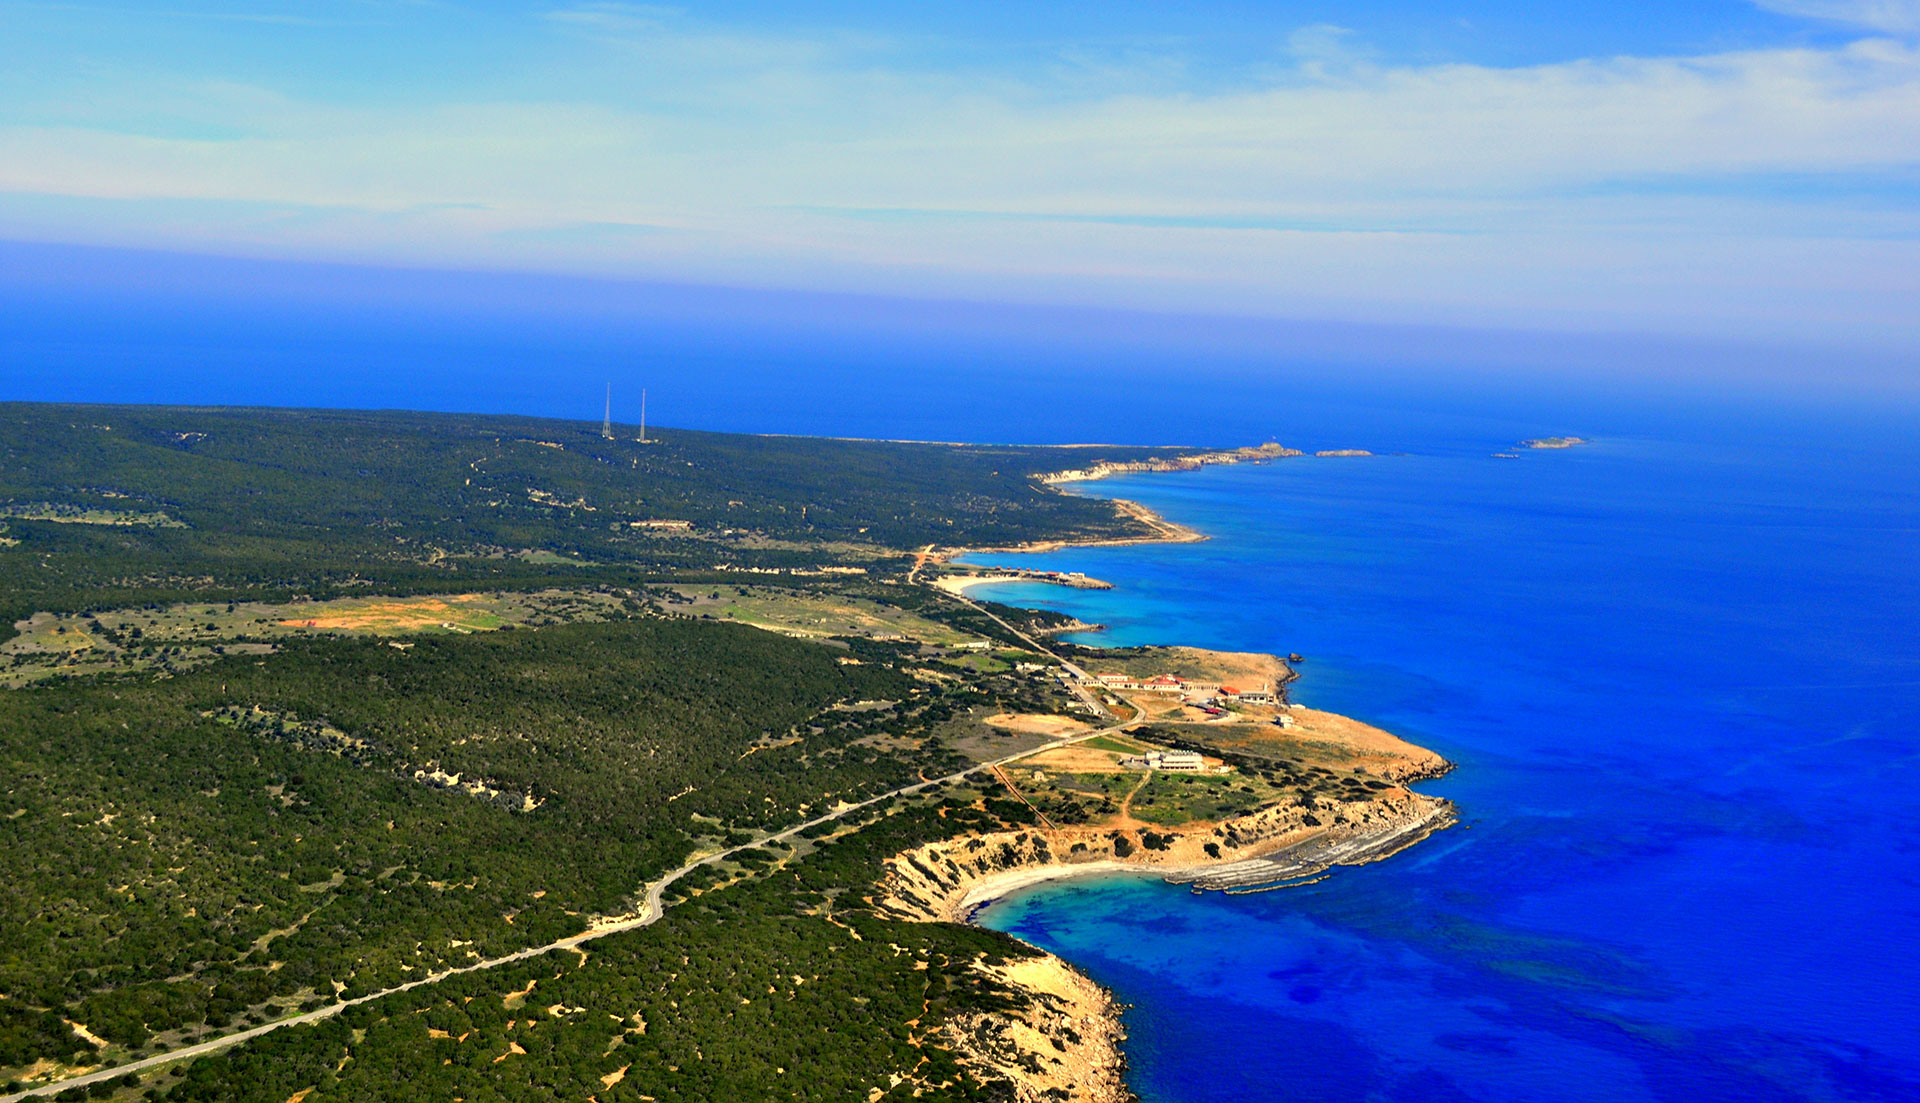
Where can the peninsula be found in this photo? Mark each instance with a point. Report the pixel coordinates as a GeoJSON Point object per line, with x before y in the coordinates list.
{"type": "Point", "coordinates": [1184, 461]}
{"type": "Point", "coordinates": [374, 755]}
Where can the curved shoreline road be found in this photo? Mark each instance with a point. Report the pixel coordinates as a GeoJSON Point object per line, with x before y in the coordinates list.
{"type": "Point", "coordinates": [650, 913]}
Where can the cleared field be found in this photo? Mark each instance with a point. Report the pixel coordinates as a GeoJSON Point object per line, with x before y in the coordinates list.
{"type": "Point", "coordinates": [83, 515]}
{"type": "Point", "coordinates": [1241, 669]}
{"type": "Point", "coordinates": [982, 662]}
{"type": "Point", "coordinates": [1115, 743]}
{"type": "Point", "coordinates": [178, 636]}
{"type": "Point", "coordinates": [798, 613]}
{"type": "Point", "coordinates": [461, 612]}
{"type": "Point", "coordinates": [1054, 726]}
{"type": "Point", "coordinates": [1323, 739]}
{"type": "Point", "coordinates": [1081, 758]}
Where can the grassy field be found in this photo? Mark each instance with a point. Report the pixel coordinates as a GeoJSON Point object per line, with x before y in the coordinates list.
{"type": "Point", "coordinates": [1086, 783]}
{"type": "Point", "coordinates": [983, 662]}
{"type": "Point", "coordinates": [1115, 743]}
{"type": "Point", "coordinates": [179, 636]}
{"type": "Point", "coordinates": [1124, 798]}
{"type": "Point", "coordinates": [81, 515]}
{"type": "Point", "coordinates": [799, 613]}
{"type": "Point", "coordinates": [1183, 798]}
{"type": "Point", "coordinates": [1244, 670]}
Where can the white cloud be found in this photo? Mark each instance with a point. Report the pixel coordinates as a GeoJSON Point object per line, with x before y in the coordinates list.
{"type": "Point", "coordinates": [1882, 15]}
{"type": "Point", "coordinates": [619, 18]}
{"type": "Point", "coordinates": [1421, 192]}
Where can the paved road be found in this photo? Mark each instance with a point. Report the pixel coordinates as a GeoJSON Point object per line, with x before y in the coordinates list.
{"type": "Point", "coordinates": [1077, 679]}
{"type": "Point", "coordinates": [649, 914]}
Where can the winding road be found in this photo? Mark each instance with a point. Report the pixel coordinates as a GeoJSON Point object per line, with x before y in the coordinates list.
{"type": "Point", "coordinates": [652, 909]}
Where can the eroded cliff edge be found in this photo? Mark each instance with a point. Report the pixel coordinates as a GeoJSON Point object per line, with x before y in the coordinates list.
{"type": "Point", "coordinates": [1335, 793]}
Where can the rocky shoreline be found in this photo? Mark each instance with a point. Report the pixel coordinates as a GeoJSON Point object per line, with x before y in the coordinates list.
{"type": "Point", "coordinates": [950, 881]}
{"type": "Point", "coordinates": [1067, 1043]}
{"type": "Point", "coordinates": [1050, 1053]}
{"type": "Point", "coordinates": [1268, 451]}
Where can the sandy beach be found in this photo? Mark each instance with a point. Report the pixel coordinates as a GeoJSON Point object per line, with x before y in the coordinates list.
{"type": "Point", "coordinates": [959, 584]}
{"type": "Point", "coordinates": [985, 892]}
{"type": "Point", "coordinates": [953, 880]}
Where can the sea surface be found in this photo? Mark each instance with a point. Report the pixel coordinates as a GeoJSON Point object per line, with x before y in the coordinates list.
{"type": "Point", "coordinates": [1680, 677]}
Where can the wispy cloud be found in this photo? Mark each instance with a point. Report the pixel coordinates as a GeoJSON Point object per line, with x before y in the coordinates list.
{"type": "Point", "coordinates": [1323, 48]}
{"type": "Point", "coordinates": [365, 15]}
{"type": "Point", "coordinates": [621, 18]}
{"type": "Point", "coordinates": [1883, 15]}
{"type": "Point", "coordinates": [1607, 188]}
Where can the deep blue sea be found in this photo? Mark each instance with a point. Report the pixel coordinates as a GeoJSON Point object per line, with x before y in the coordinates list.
{"type": "Point", "coordinates": [1680, 676]}
{"type": "Point", "coordinates": [1679, 670]}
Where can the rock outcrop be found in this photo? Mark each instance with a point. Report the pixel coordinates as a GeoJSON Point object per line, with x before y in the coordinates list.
{"type": "Point", "coordinates": [1064, 1044]}
{"type": "Point", "coordinates": [945, 881]}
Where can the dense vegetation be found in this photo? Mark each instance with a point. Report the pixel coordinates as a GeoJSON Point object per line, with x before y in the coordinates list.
{"type": "Point", "coordinates": [288, 501]}
{"type": "Point", "coordinates": [187, 848]}
{"type": "Point", "coordinates": [782, 987]}
{"type": "Point", "coordinates": [217, 848]}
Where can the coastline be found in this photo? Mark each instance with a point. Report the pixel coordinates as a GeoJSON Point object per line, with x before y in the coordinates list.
{"type": "Point", "coordinates": [1045, 1058]}
{"type": "Point", "coordinates": [1160, 530]}
{"type": "Point", "coordinates": [994, 888]}
{"type": "Point", "coordinates": [1079, 1054]}
{"type": "Point", "coordinates": [953, 880]}
{"type": "Point", "coordinates": [1269, 849]}
{"type": "Point", "coordinates": [1164, 532]}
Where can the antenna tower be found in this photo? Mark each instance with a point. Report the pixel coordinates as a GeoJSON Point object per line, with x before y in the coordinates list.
{"type": "Point", "coordinates": [643, 415]}
{"type": "Point", "coordinates": [606, 419]}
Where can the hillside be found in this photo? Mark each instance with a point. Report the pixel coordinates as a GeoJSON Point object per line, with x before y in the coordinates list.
{"type": "Point", "coordinates": [120, 504]}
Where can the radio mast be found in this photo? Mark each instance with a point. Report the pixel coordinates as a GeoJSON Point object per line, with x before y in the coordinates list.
{"type": "Point", "coordinates": [643, 415]}
{"type": "Point", "coordinates": [606, 419]}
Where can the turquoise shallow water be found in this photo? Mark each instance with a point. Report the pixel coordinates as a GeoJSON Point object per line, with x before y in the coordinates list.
{"type": "Point", "coordinates": [1681, 681]}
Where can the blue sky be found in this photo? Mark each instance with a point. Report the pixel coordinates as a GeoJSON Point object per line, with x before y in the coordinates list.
{"type": "Point", "coordinates": [1721, 168]}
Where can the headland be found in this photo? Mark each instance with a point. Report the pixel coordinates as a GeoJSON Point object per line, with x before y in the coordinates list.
{"type": "Point", "coordinates": [1205, 775]}
{"type": "Point", "coordinates": [1251, 798]}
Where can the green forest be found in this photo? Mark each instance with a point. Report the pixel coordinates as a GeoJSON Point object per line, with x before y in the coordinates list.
{"type": "Point", "coordinates": [105, 506]}
{"type": "Point", "coordinates": [187, 850]}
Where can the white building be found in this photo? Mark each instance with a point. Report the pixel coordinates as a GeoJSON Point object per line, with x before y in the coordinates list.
{"type": "Point", "coordinates": [1180, 761]}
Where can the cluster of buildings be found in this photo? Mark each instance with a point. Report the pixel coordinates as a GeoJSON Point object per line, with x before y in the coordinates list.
{"type": "Point", "coordinates": [1191, 690]}
{"type": "Point", "coordinates": [1177, 761]}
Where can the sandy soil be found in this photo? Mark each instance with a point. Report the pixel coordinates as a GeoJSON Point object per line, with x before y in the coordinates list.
{"type": "Point", "coordinates": [1246, 670]}
{"type": "Point", "coordinates": [396, 615]}
{"type": "Point", "coordinates": [960, 583]}
{"type": "Point", "coordinates": [1035, 724]}
{"type": "Point", "coordinates": [1076, 759]}
{"type": "Point", "coordinates": [988, 889]}
{"type": "Point", "coordinates": [1332, 736]}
